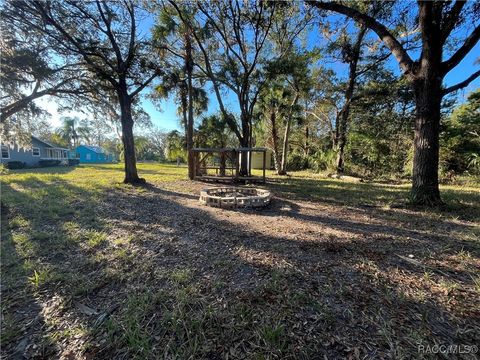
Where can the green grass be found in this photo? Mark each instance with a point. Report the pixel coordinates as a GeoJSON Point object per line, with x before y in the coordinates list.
{"type": "Point", "coordinates": [461, 201]}
{"type": "Point", "coordinates": [188, 284]}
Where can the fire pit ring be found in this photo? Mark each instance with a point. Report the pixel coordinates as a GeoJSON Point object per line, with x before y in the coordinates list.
{"type": "Point", "coordinates": [233, 197]}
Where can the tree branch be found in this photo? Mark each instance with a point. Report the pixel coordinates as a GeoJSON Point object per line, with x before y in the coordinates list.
{"type": "Point", "coordinates": [383, 33]}
{"type": "Point", "coordinates": [469, 43]}
{"type": "Point", "coordinates": [223, 35]}
{"type": "Point", "coordinates": [143, 86]}
{"type": "Point", "coordinates": [451, 18]}
{"type": "Point", "coordinates": [78, 48]}
{"type": "Point", "coordinates": [462, 84]}
{"type": "Point", "coordinates": [54, 90]}
{"type": "Point", "coordinates": [133, 29]}
{"type": "Point", "coordinates": [111, 37]}
{"type": "Point", "coordinates": [233, 126]}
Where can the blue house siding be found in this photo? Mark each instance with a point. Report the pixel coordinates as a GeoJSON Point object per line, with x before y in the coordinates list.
{"type": "Point", "coordinates": [93, 154]}
{"type": "Point", "coordinates": [31, 156]}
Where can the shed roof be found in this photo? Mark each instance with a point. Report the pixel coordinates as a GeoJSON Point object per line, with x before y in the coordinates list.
{"type": "Point", "coordinates": [96, 149]}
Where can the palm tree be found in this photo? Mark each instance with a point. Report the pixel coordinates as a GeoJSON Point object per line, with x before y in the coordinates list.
{"type": "Point", "coordinates": [275, 108]}
{"type": "Point", "coordinates": [172, 37]}
{"type": "Point", "coordinates": [68, 131]}
{"type": "Point", "coordinates": [85, 132]}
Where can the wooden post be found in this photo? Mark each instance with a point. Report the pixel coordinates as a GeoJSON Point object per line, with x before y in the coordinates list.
{"type": "Point", "coordinates": [237, 164]}
{"type": "Point", "coordinates": [250, 162]}
{"type": "Point", "coordinates": [264, 163]}
{"type": "Point", "coordinates": [222, 162]}
{"type": "Point", "coordinates": [194, 158]}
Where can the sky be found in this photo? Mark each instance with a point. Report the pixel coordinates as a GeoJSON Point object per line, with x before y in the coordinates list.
{"type": "Point", "coordinates": [163, 114]}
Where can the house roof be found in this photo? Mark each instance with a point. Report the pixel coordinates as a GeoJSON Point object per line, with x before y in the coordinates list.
{"type": "Point", "coordinates": [96, 149]}
{"type": "Point", "coordinates": [48, 144]}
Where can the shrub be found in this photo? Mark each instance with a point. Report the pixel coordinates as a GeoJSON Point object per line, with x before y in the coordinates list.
{"type": "Point", "coordinates": [47, 163]}
{"type": "Point", "coordinates": [474, 163]}
{"type": "Point", "coordinates": [73, 162]}
{"type": "Point", "coordinates": [377, 157]}
{"type": "Point", "coordinates": [12, 165]}
{"type": "Point", "coordinates": [323, 160]}
{"type": "Point", "coordinates": [296, 162]}
{"type": "Point", "coordinates": [459, 139]}
{"type": "Point", "coordinates": [3, 169]}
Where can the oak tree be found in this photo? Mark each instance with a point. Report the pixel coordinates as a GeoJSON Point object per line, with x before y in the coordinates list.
{"type": "Point", "coordinates": [105, 38]}
{"type": "Point", "coordinates": [436, 21]}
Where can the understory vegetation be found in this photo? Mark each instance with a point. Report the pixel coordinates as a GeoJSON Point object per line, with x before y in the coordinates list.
{"type": "Point", "coordinates": [95, 268]}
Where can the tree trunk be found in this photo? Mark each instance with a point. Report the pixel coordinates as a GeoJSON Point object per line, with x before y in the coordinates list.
{"type": "Point", "coordinates": [244, 160]}
{"type": "Point", "coordinates": [306, 151]}
{"type": "Point", "coordinates": [342, 138]}
{"type": "Point", "coordinates": [283, 167]}
{"type": "Point", "coordinates": [244, 142]}
{"type": "Point", "coordinates": [184, 105]}
{"type": "Point", "coordinates": [274, 134]}
{"type": "Point", "coordinates": [286, 137]}
{"type": "Point", "coordinates": [425, 189]}
{"type": "Point", "coordinates": [131, 175]}
{"type": "Point", "coordinates": [345, 112]}
{"type": "Point", "coordinates": [427, 85]}
{"type": "Point", "coordinates": [189, 68]}
{"type": "Point", "coordinates": [223, 164]}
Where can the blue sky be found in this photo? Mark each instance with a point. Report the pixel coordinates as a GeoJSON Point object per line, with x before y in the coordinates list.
{"type": "Point", "coordinates": [167, 119]}
{"type": "Point", "coordinates": [163, 114]}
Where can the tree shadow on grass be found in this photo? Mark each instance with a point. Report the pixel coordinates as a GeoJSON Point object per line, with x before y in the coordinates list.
{"type": "Point", "coordinates": [54, 234]}
{"type": "Point", "coordinates": [192, 282]}
{"type": "Point", "coordinates": [19, 305]}
{"type": "Point", "coordinates": [45, 170]}
{"type": "Point", "coordinates": [120, 169]}
{"type": "Point", "coordinates": [463, 204]}
{"type": "Point", "coordinates": [280, 281]}
{"type": "Point", "coordinates": [404, 233]}
{"type": "Point", "coordinates": [416, 227]}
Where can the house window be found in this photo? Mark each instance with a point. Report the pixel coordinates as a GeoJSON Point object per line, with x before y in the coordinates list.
{"type": "Point", "coordinates": [5, 152]}
{"type": "Point", "coordinates": [88, 156]}
{"type": "Point", "coordinates": [36, 151]}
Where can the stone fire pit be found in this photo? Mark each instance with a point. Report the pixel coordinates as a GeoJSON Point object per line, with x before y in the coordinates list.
{"type": "Point", "coordinates": [231, 197]}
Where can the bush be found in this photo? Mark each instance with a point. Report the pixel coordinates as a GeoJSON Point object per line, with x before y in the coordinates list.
{"type": "Point", "coordinates": [12, 165]}
{"type": "Point", "coordinates": [48, 163]}
{"type": "Point", "coordinates": [3, 169]}
{"type": "Point", "coordinates": [459, 139]}
{"type": "Point", "coordinates": [323, 160]}
{"type": "Point", "coordinates": [296, 162]}
{"type": "Point", "coordinates": [377, 157]}
{"type": "Point", "coordinates": [73, 162]}
{"type": "Point", "coordinates": [474, 163]}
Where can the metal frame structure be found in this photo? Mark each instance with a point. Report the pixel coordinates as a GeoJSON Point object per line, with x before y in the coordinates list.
{"type": "Point", "coordinates": [201, 155]}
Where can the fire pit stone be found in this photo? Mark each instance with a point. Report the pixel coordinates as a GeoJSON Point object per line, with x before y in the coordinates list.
{"type": "Point", "coordinates": [234, 197]}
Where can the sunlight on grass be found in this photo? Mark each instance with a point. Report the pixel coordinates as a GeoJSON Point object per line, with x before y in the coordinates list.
{"type": "Point", "coordinates": [95, 238]}
{"type": "Point", "coordinates": [81, 233]}
{"type": "Point", "coordinates": [39, 277]}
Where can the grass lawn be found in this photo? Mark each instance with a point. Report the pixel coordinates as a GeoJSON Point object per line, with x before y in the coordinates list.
{"type": "Point", "coordinates": [92, 268]}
